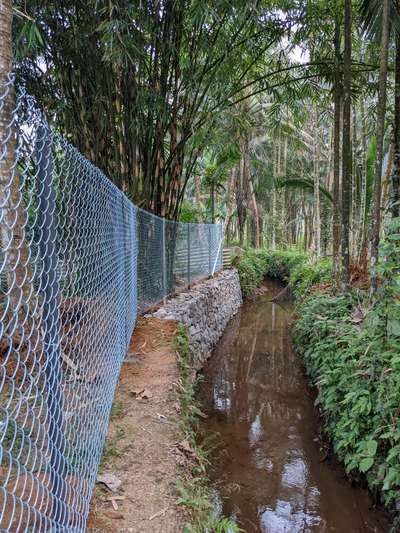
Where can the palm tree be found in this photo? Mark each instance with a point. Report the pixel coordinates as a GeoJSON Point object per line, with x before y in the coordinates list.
{"type": "Point", "coordinates": [346, 150]}
{"type": "Point", "coordinates": [317, 202]}
{"type": "Point", "coordinates": [395, 203]}
{"type": "Point", "coordinates": [380, 131]}
{"type": "Point", "coordinates": [6, 102]}
{"type": "Point", "coordinates": [336, 152]}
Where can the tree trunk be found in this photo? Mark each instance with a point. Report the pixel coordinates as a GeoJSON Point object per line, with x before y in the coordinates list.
{"type": "Point", "coordinates": [229, 189]}
{"type": "Point", "coordinates": [12, 236]}
{"type": "Point", "coordinates": [317, 200]}
{"type": "Point", "coordinates": [362, 251]}
{"type": "Point", "coordinates": [336, 157]}
{"type": "Point", "coordinates": [380, 131]}
{"type": "Point", "coordinates": [395, 200]}
{"type": "Point", "coordinates": [354, 206]}
{"type": "Point", "coordinates": [197, 197]}
{"type": "Point", "coordinates": [255, 213]}
{"type": "Point", "coordinates": [212, 201]}
{"type": "Point", "coordinates": [273, 206]}
{"type": "Point", "coordinates": [240, 201]}
{"type": "Point", "coordinates": [273, 225]}
{"type": "Point", "coordinates": [386, 181]}
{"type": "Point", "coordinates": [346, 150]}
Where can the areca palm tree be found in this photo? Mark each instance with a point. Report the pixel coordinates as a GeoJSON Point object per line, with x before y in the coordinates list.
{"type": "Point", "coordinates": [380, 131]}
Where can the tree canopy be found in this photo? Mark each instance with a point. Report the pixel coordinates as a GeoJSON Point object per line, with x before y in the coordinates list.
{"type": "Point", "coordinates": [278, 118]}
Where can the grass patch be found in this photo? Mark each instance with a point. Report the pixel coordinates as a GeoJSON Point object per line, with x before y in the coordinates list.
{"type": "Point", "coordinates": [117, 410]}
{"type": "Point", "coordinates": [195, 493]}
{"type": "Point", "coordinates": [111, 450]}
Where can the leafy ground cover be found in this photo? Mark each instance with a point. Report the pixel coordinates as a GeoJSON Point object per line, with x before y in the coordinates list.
{"type": "Point", "coordinates": [350, 345]}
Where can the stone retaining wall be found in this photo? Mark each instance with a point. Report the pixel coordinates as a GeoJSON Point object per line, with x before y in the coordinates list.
{"type": "Point", "coordinates": [205, 310]}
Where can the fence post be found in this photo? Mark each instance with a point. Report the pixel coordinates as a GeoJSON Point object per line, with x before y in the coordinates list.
{"type": "Point", "coordinates": [209, 251]}
{"type": "Point", "coordinates": [164, 261]}
{"type": "Point", "coordinates": [125, 294]}
{"type": "Point", "coordinates": [188, 255]}
{"type": "Point", "coordinates": [50, 320]}
{"type": "Point", "coordinates": [220, 250]}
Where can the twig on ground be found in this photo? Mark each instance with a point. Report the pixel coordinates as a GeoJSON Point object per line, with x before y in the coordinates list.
{"type": "Point", "coordinates": [160, 513]}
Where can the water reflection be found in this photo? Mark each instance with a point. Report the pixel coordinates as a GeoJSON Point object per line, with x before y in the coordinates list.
{"type": "Point", "coordinates": [258, 402]}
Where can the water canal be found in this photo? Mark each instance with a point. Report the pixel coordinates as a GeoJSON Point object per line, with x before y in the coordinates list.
{"type": "Point", "coordinates": [268, 467]}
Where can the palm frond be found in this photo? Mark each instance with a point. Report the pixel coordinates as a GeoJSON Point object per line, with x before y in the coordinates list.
{"type": "Point", "coordinates": [371, 14]}
{"type": "Point", "coordinates": [305, 184]}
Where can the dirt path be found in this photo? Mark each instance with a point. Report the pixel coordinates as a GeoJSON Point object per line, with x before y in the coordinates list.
{"type": "Point", "coordinates": [140, 448]}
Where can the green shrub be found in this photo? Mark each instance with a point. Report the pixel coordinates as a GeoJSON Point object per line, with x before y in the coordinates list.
{"type": "Point", "coordinates": [304, 276]}
{"type": "Point", "coordinates": [287, 266]}
{"type": "Point", "coordinates": [356, 369]}
{"type": "Point", "coordinates": [251, 268]}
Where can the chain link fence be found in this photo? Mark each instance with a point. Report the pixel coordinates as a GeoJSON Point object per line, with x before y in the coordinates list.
{"type": "Point", "coordinates": [78, 262]}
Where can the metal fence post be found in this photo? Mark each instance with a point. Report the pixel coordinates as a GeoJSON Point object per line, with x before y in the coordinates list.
{"type": "Point", "coordinates": [164, 261]}
{"type": "Point", "coordinates": [125, 272]}
{"type": "Point", "coordinates": [50, 320]}
{"type": "Point", "coordinates": [220, 248]}
{"type": "Point", "coordinates": [188, 255]}
{"type": "Point", "coordinates": [209, 251]}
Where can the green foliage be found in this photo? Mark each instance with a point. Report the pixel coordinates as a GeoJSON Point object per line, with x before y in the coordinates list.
{"type": "Point", "coordinates": [357, 374]}
{"type": "Point", "coordinates": [252, 269]}
{"type": "Point", "coordinates": [117, 410]}
{"type": "Point", "coordinates": [389, 269]}
{"type": "Point", "coordinates": [160, 79]}
{"type": "Point", "coordinates": [189, 212]}
{"type": "Point", "coordinates": [288, 266]}
{"type": "Point", "coordinates": [111, 449]}
{"type": "Point", "coordinates": [305, 276]}
{"type": "Point", "coordinates": [351, 349]}
{"type": "Point", "coordinates": [305, 184]}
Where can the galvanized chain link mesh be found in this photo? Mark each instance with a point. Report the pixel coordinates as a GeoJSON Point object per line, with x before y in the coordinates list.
{"type": "Point", "coordinates": [78, 261]}
{"type": "Point", "coordinates": [173, 255]}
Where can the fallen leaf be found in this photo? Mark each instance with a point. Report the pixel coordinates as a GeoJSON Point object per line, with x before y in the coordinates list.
{"type": "Point", "coordinates": [115, 505]}
{"type": "Point", "coordinates": [146, 395]}
{"type": "Point", "coordinates": [110, 481]}
{"type": "Point", "coordinates": [357, 316]}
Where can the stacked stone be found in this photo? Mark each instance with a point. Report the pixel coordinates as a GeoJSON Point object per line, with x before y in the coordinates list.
{"type": "Point", "coordinates": [205, 310]}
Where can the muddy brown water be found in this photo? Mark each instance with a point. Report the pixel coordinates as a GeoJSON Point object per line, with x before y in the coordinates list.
{"type": "Point", "coordinates": [269, 472]}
